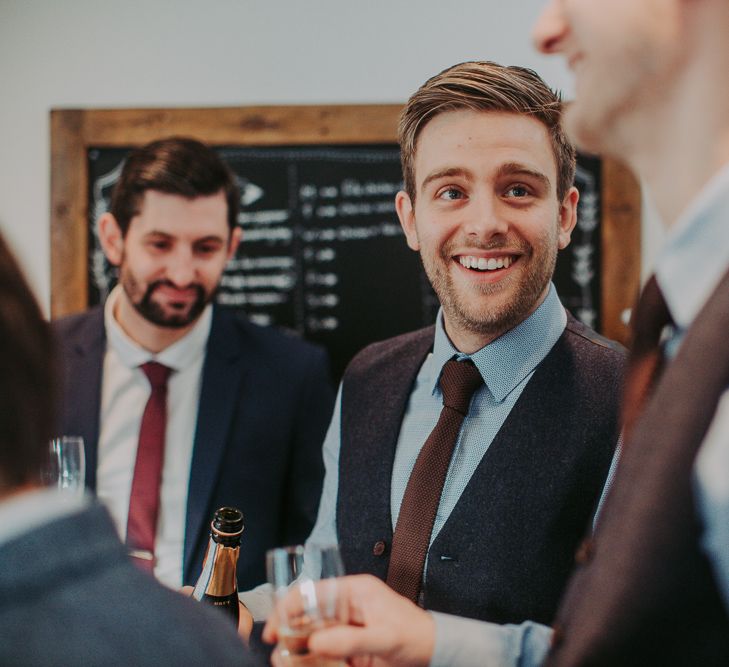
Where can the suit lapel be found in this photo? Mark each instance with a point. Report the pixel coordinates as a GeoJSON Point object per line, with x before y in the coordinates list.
{"type": "Point", "coordinates": [222, 374]}
{"type": "Point", "coordinates": [82, 390]}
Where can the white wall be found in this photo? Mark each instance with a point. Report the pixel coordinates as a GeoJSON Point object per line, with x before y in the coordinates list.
{"type": "Point", "coordinates": [97, 53]}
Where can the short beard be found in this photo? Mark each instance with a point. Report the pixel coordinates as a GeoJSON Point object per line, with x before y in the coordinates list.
{"type": "Point", "coordinates": [154, 313]}
{"type": "Point", "coordinates": [491, 321]}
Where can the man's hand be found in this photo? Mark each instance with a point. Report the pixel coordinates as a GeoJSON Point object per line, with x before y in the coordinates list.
{"type": "Point", "coordinates": [245, 622]}
{"type": "Point", "coordinates": [382, 628]}
{"type": "Point", "coordinates": [245, 618]}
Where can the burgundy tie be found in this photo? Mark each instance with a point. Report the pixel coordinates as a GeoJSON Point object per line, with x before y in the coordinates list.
{"type": "Point", "coordinates": [649, 320]}
{"type": "Point", "coordinates": [422, 496]}
{"type": "Point", "coordinates": [144, 499]}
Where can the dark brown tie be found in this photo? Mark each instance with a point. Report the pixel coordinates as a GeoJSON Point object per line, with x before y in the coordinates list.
{"type": "Point", "coordinates": [645, 363]}
{"type": "Point", "coordinates": [144, 498]}
{"type": "Point", "coordinates": [410, 542]}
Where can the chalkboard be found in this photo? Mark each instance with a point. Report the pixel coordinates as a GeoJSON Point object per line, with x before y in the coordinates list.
{"type": "Point", "coordinates": [323, 254]}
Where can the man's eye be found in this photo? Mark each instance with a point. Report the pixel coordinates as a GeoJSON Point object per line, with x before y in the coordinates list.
{"type": "Point", "coordinates": [159, 245]}
{"type": "Point", "coordinates": [517, 191]}
{"type": "Point", "coordinates": [450, 194]}
{"type": "Point", "coordinates": [207, 249]}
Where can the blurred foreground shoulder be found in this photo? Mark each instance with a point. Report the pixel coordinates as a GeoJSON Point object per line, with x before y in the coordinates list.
{"type": "Point", "coordinates": [69, 595]}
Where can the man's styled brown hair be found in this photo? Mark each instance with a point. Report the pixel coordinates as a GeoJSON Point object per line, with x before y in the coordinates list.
{"type": "Point", "coordinates": [27, 379]}
{"type": "Point", "coordinates": [176, 166]}
{"type": "Point", "coordinates": [485, 86]}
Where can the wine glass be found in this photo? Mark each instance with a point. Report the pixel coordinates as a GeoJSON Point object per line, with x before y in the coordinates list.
{"type": "Point", "coordinates": [306, 577]}
{"type": "Point", "coordinates": [64, 465]}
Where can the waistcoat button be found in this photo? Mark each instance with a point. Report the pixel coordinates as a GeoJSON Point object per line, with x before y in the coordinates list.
{"type": "Point", "coordinates": [379, 548]}
{"type": "Point", "coordinates": [585, 552]}
{"type": "Point", "coordinates": [557, 636]}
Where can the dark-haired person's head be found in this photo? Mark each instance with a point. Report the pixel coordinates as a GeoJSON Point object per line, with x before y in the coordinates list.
{"type": "Point", "coordinates": [171, 230]}
{"type": "Point", "coordinates": [176, 166]}
{"type": "Point", "coordinates": [26, 378]}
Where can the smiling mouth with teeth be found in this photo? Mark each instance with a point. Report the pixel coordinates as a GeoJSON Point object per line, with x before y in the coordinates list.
{"type": "Point", "coordinates": [483, 264]}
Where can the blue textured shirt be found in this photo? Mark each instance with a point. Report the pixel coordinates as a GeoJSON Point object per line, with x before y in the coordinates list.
{"type": "Point", "coordinates": [506, 366]}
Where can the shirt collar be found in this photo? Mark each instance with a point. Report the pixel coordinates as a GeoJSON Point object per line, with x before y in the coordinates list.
{"type": "Point", "coordinates": [695, 254]}
{"type": "Point", "coordinates": [506, 361]}
{"type": "Point", "coordinates": [178, 356]}
{"type": "Point", "coordinates": [29, 510]}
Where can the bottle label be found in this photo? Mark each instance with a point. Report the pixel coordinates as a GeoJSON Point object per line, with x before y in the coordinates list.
{"type": "Point", "coordinates": [227, 604]}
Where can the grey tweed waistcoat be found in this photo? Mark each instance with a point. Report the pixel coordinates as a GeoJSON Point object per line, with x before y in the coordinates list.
{"type": "Point", "coordinates": [506, 550]}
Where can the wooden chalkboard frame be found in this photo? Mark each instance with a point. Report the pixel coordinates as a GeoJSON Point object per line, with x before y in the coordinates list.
{"type": "Point", "coordinates": [74, 131]}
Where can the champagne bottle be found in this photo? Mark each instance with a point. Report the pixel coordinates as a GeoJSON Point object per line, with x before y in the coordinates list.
{"type": "Point", "coordinates": [217, 584]}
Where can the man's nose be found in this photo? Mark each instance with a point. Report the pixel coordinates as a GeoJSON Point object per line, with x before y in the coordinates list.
{"type": "Point", "coordinates": [550, 28]}
{"type": "Point", "coordinates": [485, 220]}
{"type": "Point", "coordinates": [181, 269]}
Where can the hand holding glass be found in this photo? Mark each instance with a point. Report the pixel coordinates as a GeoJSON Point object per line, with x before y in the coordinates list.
{"type": "Point", "coordinates": [304, 605]}
{"type": "Point", "coordinates": [64, 465]}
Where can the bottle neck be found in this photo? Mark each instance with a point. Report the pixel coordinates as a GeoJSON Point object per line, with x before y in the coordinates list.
{"type": "Point", "coordinates": [219, 569]}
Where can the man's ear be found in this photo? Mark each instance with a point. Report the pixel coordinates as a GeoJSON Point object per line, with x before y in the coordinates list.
{"type": "Point", "coordinates": [111, 238]}
{"type": "Point", "coordinates": [235, 238]}
{"type": "Point", "coordinates": [567, 217]}
{"type": "Point", "coordinates": [406, 214]}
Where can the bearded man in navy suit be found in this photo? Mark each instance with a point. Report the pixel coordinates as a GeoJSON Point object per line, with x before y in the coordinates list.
{"type": "Point", "coordinates": [247, 407]}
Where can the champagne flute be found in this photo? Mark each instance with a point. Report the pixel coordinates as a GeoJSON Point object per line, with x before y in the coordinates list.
{"type": "Point", "coordinates": [307, 575]}
{"type": "Point", "coordinates": [64, 465]}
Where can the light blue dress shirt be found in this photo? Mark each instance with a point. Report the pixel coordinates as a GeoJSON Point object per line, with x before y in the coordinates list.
{"type": "Point", "coordinates": [27, 511]}
{"type": "Point", "coordinates": [506, 365]}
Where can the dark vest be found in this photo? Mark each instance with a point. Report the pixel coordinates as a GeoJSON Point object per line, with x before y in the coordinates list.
{"type": "Point", "coordinates": [644, 593]}
{"type": "Point", "coordinates": [507, 549]}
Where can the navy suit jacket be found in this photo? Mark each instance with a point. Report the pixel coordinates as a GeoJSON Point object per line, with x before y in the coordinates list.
{"type": "Point", "coordinates": [265, 404]}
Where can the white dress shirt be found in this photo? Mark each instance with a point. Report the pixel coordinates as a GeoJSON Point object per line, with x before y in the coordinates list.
{"type": "Point", "coordinates": [124, 393]}
{"type": "Point", "coordinates": [27, 511]}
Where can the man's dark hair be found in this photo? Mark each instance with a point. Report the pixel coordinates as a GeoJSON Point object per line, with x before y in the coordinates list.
{"type": "Point", "coordinates": [176, 166]}
{"type": "Point", "coordinates": [26, 378]}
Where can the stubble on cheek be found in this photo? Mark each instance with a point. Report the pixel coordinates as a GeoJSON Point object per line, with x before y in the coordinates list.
{"type": "Point", "coordinates": [491, 309]}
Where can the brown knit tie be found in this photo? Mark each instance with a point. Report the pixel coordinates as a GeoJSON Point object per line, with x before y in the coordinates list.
{"type": "Point", "coordinates": [422, 496]}
{"type": "Point", "coordinates": [650, 318]}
